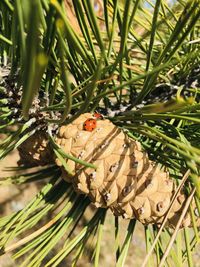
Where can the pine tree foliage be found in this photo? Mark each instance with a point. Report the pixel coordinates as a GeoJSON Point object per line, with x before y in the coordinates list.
{"type": "Point", "coordinates": [137, 63]}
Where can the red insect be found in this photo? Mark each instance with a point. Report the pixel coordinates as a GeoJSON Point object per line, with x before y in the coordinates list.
{"type": "Point", "coordinates": [98, 116]}
{"type": "Point", "coordinates": [89, 125]}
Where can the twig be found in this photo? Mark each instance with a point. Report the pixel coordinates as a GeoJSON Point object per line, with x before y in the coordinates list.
{"type": "Point", "coordinates": [165, 219]}
{"type": "Point", "coordinates": [30, 237]}
{"type": "Point", "coordinates": [189, 199]}
{"type": "Point", "coordinates": [107, 79]}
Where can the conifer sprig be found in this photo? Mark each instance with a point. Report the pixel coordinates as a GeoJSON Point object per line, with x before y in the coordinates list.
{"type": "Point", "coordinates": [138, 64]}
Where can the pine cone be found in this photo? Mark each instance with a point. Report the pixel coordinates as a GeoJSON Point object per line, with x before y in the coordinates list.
{"type": "Point", "coordinates": [125, 180]}
{"type": "Point", "coordinates": [35, 151]}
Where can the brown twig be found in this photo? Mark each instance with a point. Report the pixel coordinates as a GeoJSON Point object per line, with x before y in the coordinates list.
{"type": "Point", "coordinates": [107, 79]}
{"type": "Point", "coordinates": [189, 199]}
{"type": "Point", "coordinates": [30, 237]}
{"type": "Point", "coordinates": [165, 218]}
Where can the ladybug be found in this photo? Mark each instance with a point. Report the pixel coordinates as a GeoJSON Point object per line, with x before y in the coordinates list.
{"type": "Point", "coordinates": [89, 125]}
{"type": "Point", "coordinates": [98, 116]}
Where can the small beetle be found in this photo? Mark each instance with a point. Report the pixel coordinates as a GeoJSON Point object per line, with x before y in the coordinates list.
{"type": "Point", "coordinates": [98, 116]}
{"type": "Point", "coordinates": [89, 125]}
